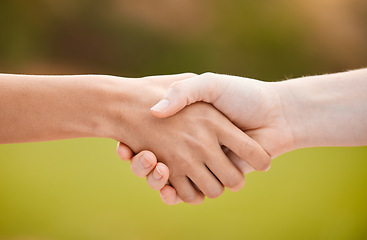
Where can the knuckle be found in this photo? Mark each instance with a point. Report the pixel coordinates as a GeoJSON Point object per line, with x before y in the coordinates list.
{"type": "Point", "coordinates": [213, 86]}
{"type": "Point", "coordinates": [246, 168]}
{"type": "Point", "coordinates": [239, 186]}
{"type": "Point", "coordinates": [260, 159]}
{"type": "Point", "coordinates": [266, 160]}
{"type": "Point", "coordinates": [208, 75]}
{"type": "Point", "coordinates": [189, 75]}
{"type": "Point", "coordinates": [195, 142]}
{"type": "Point", "coordinates": [189, 197]}
{"type": "Point", "coordinates": [184, 166]}
{"type": "Point", "coordinates": [199, 199]}
{"type": "Point", "coordinates": [215, 192]}
{"type": "Point", "coordinates": [175, 175]}
{"type": "Point", "coordinates": [235, 182]}
{"type": "Point", "coordinates": [176, 86]}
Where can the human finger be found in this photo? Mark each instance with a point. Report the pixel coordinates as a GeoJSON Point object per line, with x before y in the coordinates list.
{"type": "Point", "coordinates": [124, 152]}
{"type": "Point", "coordinates": [158, 178]}
{"type": "Point", "coordinates": [226, 171]}
{"type": "Point", "coordinates": [143, 163]}
{"type": "Point", "coordinates": [205, 87]}
{"type": "Point", "coordinates": [245, 147]}
{"type": "Point", "coordinates": [206, 182]}
{"type": "Point", "coordinates": [186, 190]}
{"type": "Point", "coordinates": [242, 165]}
{"type": "Point", "coordinates": [169, 195]}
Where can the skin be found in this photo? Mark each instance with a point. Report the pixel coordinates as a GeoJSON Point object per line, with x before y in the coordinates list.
{"type": "Point", "coordinates": [315, 111]}
{"type": "Point", "coordinates": [43, 108]}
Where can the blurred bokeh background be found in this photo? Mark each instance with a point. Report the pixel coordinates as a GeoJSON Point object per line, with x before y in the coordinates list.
{"type": "Point", "coordinates": [79, 189]}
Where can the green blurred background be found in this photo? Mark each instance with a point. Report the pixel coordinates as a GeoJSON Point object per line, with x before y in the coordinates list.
{"type": "Point", "coordinates": [79, 189]}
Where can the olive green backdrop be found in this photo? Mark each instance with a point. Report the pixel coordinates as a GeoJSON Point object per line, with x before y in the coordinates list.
{"type": "Point", "coordinates": [79, 189]}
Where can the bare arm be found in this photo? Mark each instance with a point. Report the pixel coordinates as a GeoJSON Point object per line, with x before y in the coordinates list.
{"type": "Point", "coordinates": [41, 108]}
{"type": "Point", "coordinates": [315, 111]}
{"type": "Point", "coordinates": [327, 110]}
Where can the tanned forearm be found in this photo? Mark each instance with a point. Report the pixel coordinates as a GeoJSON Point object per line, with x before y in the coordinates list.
{"type": "Point", "coordinates": [42, 108]}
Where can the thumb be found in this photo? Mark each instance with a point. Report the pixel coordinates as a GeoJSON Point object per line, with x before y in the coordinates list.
{"type": "Point", "coordinates": [203, 87]}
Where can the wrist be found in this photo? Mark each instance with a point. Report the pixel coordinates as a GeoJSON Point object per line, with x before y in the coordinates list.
{"type": "Point", "coordinates": [318, 109]}
{"type": "Point", "coordinates": [123, 103]}
{"type": "Point", "coordinates": [292, 106]}
{"type": "Point", "coordinates": [111, 107]}
{"type": "Point", "coordinates": [86, 112]}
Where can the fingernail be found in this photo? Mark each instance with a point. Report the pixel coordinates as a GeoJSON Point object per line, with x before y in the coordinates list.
{"type": "Point", "coordinates": [157, 174]}
{"type": "Point", "coordinates": [161, 105]}
{"type": "Point", "coordinates": [144, 162]}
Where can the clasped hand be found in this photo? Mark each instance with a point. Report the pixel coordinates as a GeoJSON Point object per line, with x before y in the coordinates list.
{"type": "Point", "coordinates": [188, 152]}
{"type": "Point", "coordinates": [203, 150]}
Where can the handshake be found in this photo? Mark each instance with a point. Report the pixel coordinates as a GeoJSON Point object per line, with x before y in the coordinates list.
{"type": "Point", "coordinates": [190, 135]}
{"type": "Point", "coordinates": [201, 150]}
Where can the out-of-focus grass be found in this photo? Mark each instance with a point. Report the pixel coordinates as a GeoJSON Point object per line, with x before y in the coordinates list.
{"type": "Point", "coordinates": [79, 189]}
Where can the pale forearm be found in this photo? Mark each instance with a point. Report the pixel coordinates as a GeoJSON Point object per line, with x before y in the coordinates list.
{"type": "Point", "coordinates": [328, 110]}
{"type": "Point", "coordinates": [42, 108]}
